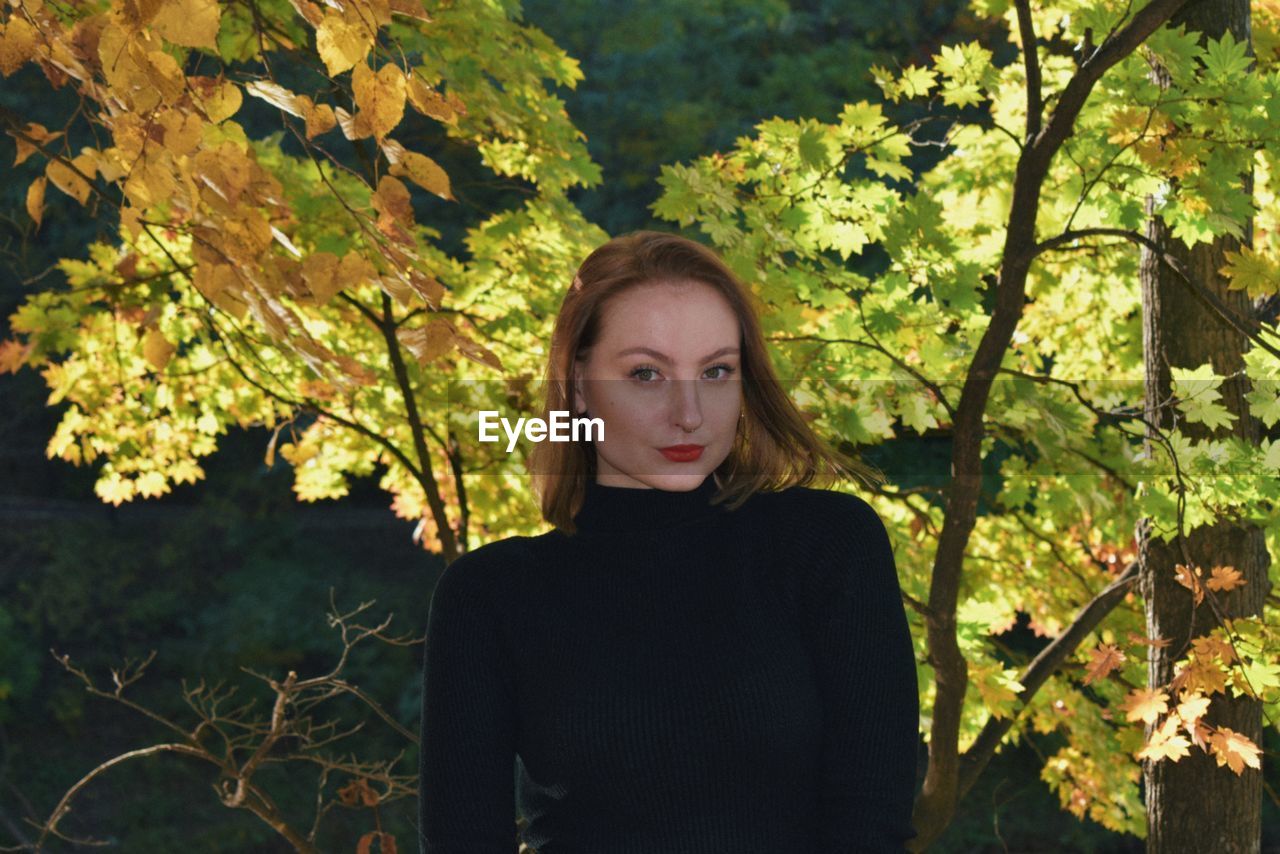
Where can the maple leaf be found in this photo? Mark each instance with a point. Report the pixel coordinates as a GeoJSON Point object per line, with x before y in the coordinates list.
{"type": "Point", "coordinates": [1192, 706]}
{"type": "Point", "coordinates": [1145, 704]}
{"type": "Point", "coordinates": [1203, 676]}
{"type": "Point", "coordinates": [1105, 658]}
{"type": "Point", "coordinates": [1158, 642]}
{"type": "Point", "coordinates": [1165, 742]}
{"type": "Point", "coordinates": [1257, 677]}
{"type": "Point", "coordinates": [1251, 271]}
{"type": "Point", "coordinates": [1233, 749]}
{"type": "Point", "coordinates": [13, 355]}
{"type": "Point", "coordinates": [1190, 580]}
{"type": "Point", "coordinates": [1212, 646]}
{"type": "Point", "coordinates": [1225, 578]}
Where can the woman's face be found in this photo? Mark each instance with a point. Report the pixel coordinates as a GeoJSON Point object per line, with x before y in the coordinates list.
{"type": "Point", "coordinates": [665, 371]}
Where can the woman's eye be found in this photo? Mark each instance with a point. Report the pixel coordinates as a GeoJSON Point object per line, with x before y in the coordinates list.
{"type": "Point", "coordinates": [647, 370]}
{"type": "Point", "coordinates": [727, 370]}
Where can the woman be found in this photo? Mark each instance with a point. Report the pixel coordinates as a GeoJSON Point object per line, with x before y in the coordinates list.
{"type": "Point", "coordinates": [705, 654]}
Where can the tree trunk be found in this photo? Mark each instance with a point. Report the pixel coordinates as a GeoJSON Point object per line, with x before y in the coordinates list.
{"type": "Point", "coordinates": [1193, 804]}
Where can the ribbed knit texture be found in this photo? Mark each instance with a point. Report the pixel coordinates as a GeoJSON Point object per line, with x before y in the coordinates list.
{"type": "Point", "coordinates": [674, 678]}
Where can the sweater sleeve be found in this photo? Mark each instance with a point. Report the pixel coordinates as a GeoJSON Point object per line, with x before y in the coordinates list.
{"type": "Point", "coordinates": [466, 773]}
{"type": "Point", "coordinates": [865, 661]}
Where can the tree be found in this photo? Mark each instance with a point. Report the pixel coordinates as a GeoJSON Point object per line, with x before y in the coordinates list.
{"type": "Point", "coordinates": [1181, 603]}
{"type": "Point", "coordinates": [254, 285]}
{"type": "Point", "coordinates": [998, 266]}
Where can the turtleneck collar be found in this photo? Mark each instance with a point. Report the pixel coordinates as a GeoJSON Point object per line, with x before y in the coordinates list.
{"type": "Point", "coordinates": [618, 509]}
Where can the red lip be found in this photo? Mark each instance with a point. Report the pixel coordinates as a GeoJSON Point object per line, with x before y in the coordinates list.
{"type": "Point", "coordinates": [682, 453]}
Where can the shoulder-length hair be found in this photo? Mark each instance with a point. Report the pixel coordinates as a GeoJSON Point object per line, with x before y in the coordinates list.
{"type": "Point", "coordinates": [775, 447]}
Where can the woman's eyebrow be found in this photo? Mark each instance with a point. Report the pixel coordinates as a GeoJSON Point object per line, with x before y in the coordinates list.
{"type": "Point", "coordinates": [723, 351]}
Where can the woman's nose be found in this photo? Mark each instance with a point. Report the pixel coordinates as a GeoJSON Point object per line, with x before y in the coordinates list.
{"type": "Point", "coordinates": [687, 406]}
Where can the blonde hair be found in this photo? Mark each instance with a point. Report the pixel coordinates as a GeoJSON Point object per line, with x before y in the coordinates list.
{"type": "Point", "coordinates": [775, 447]}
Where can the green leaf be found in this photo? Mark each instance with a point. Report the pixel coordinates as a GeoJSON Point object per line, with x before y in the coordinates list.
{"type": "Point", "coordinates": [1252, 271]}
{"type": "Point", "coordinates": [1225, 57]}
{"type": "Point", "coordinates": [1197, 392]}
{"type": "Point", "coordinates": [1264, 401]}
{"type": "Point", "coordinates": [817, 149]}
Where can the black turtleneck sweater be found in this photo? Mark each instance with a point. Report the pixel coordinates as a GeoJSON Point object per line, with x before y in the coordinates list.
{"type": "Point", "coordinates": [674, 678]}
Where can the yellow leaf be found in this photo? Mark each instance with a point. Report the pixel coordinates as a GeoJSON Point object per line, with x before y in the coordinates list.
{"type": "Point", "coordinates": [156, 349]}
{"type": "Point", "coordinates": [1165, 742]}
{"type": "Point", "coordinates": [133, 15]}
{"type": "Point", "coordinates": [355, 269]}
{"type": "Point", "coordinates": [151, 484]}
{"type": "Point", "coordinates": [321, 273]}
{"type": "Point", "coordinates": [166, 76]}
{"type": "Point", "coordinates": [424, 172]}
{"type": "Point", "coordinates": [392, 199]}
{"type": "Point", "coordinates": [67, 180]}
{"type": "Point", "coordinates": [1205, 677]}
{"type": "Point", "coordinates": [427, 286]}
{"type": "Point", "coordinates": [320, 118]}
{"type": "Point", "coordinates": [380, 98]}
{"type": "Point", "coordinates": [1145, 705]}
{"type": "Point", "coordinates": [17, 44]}
{"type": "Point", "coordinates": [35, 199]}
{"type": "Point", "coordinates": [298, 454]}
{"type": "Point", "coordinates": [478, 353]}
{"type": "Point", "coordinates": [380, 10]}
{"type": "Point", "coordinates": [395, 285]}
{"type": "Point", "coordinates": [340, 44]}
{"type": "Point", "coordinates": [1209, 646]}
{"type": "Point", "coordinates": [114, 489]}
{"type": "Point", "coordinates": [220, 99]}
{"type": "Point", "coordinates": [430, 342]}
{"type": "Point", "coordinates": [1193, 707]}
{"type": "Point", "coordinates": [190, 23]}
{"type": "Point", "coordinates": [1234, 749]}
{"type": "Point", "coordinates": [131, 219]}
{"type": "Point", "coordinates": [149, 184]}
{"type": "Point", "coordinates": [35, 131]}
{"type": "Point", "coordinates": [182, 132]}
{"type": "Point", "coordinates": [429, 102]}
{"type": "Point", "coordinates": [86, 162]}
{"type": "Point", "coordinates": [218, 284]}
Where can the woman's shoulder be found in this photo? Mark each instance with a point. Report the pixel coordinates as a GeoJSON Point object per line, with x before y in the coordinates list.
{"type": "Point", "coordinates": [486, 570]}
{"type": "Point", "coordinates": [817, 505]}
